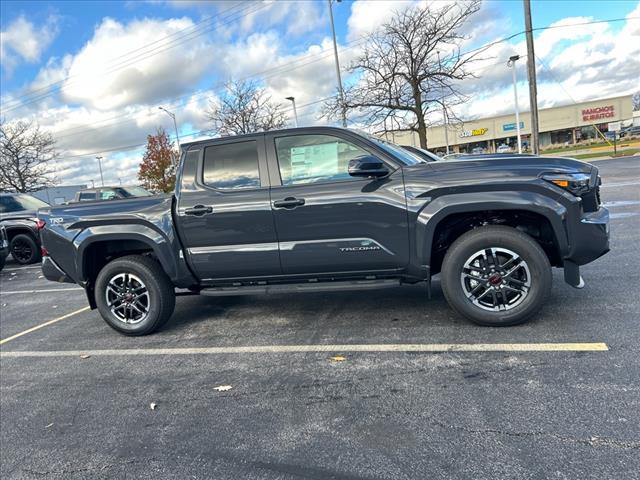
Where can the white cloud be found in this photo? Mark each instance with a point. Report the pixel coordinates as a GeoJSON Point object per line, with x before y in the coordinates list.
{"type": "Point", "coordinates": [131, 64]}
{"type": "Point", "coordinates": [23, 41]}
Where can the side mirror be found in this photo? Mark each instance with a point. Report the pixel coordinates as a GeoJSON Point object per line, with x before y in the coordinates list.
{"type": "Point", "coordinates": [367, 166]}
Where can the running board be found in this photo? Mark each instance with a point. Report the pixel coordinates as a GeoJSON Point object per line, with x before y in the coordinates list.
{"type": "Point", "coordinates": [300, 287]}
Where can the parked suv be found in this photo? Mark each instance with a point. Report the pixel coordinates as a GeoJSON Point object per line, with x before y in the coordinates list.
{"type": "Point", "coordinates": [110, 193]}
{"type": "Point", "coordinates": [328, 209]}
{"type": "Point", "coordinates": [18, 215]}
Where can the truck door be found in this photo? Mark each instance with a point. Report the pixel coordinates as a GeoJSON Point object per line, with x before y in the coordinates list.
{"type": "Point", "coordinates": [328, 221]}
{"type": "Point", "coordinates": [223, 212]}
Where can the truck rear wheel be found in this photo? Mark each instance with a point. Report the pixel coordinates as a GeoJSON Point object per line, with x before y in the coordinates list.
{"type": "Point", "coordinates": [496, 276]}
{"type": "Point", "coordinates": [24, 249]}
{"type": "Point", "coordinates": [134, 295]}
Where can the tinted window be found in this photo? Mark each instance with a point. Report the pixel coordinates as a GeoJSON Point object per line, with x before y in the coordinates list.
{"type": "Point", "coordinates": [17, 203]}
{"type": "Point", "coordinates": [315, 158]}
{"type": "Point", "coordinates": [86, 196]}
{"type": "Point", "coordinates": [232, 166]}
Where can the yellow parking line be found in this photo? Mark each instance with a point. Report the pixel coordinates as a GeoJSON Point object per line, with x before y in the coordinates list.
{"type": "Point", "coordinates": [42, 325]}
{"type": "Point", "coordinates": [394, 347]}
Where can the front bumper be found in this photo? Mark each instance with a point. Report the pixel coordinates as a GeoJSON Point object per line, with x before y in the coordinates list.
{"type": "Point", "coordinates": [588, 240]}
{"type": "Point", "coordinates": [53, 272]}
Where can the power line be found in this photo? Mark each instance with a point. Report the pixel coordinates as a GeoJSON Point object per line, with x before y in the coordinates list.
{"type": "Point", "coordinates": [128, 62]}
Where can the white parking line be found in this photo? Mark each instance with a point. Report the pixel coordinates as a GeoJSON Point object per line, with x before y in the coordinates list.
{"type": "Point", "coordinates": [20, 268]}
{"type": "Point", "coordinates": [42, 325]}
{"type": "Point", "coordinates": [46, 290]}
{"type": "Point", "coordinates": [621, 184]}
{"type": "Point", "coordinates": [394, 347]}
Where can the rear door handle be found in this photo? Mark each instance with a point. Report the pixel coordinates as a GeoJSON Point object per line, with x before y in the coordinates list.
{"type": "Point", "coordinates": [289, 202]}
{"type": "Point", "coordinates": [198, 210]}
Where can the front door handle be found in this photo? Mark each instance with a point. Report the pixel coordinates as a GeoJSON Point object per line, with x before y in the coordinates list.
{"type": "Point", "coordinates": [289, 202]}
{"type": "Point", "coordinates": [198, 210]}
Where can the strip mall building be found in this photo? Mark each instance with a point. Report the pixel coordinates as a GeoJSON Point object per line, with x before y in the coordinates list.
{"type": "Point", "coordinates": [558, 126]}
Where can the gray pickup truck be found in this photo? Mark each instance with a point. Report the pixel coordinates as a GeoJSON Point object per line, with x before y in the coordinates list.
{"type": "Point", "coordinates": [329, 209]}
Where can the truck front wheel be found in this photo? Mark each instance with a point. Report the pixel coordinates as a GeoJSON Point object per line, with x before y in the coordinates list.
{"type": "Point", "coordinates": [134, 295]}
{"type": "Point", "coordinates": [496, 276]}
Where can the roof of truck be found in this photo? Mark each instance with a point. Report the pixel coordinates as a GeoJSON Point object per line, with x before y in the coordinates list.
{"type": "Point", "coordinates": [250, 135]}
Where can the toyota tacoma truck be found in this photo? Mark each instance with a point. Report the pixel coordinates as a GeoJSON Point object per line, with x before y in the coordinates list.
{"type": "Point", "coordinates": [324, 209]}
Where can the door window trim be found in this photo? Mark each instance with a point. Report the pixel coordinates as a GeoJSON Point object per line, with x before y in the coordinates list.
{"type": "Point", "coordinates": [276, 177]}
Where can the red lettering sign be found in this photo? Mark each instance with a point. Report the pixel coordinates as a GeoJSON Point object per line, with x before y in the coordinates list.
{"type": "Point", "coordinates": [598, 113]}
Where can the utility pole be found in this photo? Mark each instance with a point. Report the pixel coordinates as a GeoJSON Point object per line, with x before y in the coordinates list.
{"type": "Point", "coordinates": [512, 63]}
{"type": "Point", "coordinates": [335, 53]}
{"type": "Point", "coordinates": [531, 74]}
{"type": "Point", "coordinates": [295, 112]}
{"type": "Point", "coordinates": [444, 111]}
{"type": "Point", "coordinates": [100, 166]}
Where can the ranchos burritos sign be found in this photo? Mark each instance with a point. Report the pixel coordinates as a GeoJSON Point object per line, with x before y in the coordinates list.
{"type": "Point", "coordinates": [598, 113]}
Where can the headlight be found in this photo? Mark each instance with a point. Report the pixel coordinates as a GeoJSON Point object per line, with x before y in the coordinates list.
{"type": "Point", "coordinates": [576, 183]}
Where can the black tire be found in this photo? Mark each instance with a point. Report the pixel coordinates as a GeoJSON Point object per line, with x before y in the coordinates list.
{"type": "Point", "coordinates": [160, 302]}
{"type": "Point", "coordinates": [505, 239]}
{"type": "Point", "coordinates": [24, 249]}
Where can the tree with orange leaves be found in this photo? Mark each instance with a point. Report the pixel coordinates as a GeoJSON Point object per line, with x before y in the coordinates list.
{"type": "Point", "coordinates": [157, 172]}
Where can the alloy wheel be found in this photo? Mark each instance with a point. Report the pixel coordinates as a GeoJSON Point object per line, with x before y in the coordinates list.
{"type": "Point", "coordinates": [496, 279]}
{"type": "Point", "coordinates": [21, 251]}
{"type": "Point", "coordinates": [128, 298]}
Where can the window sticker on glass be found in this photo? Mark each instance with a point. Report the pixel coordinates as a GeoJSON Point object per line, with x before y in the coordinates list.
{"type": "Point", "coordinates": [314, 160]}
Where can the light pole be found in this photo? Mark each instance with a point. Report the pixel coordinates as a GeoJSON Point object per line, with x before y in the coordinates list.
{"type": "Point", "coordinates": [444, 110]}
{"type": "Point", "coordinates": [175, 125]}
{"type": "Point", "coordinates": [512, 63]}
{"type": "Point", "coordinates": [100, 166]}
{"type": "Point", "coordinates": [295, 112]}
{"type": "Point", "coordinates": [335, 53]}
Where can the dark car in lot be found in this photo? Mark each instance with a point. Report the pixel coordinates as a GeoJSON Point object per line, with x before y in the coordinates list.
{"type": "Point", "coordinates": [630, 132]}
{"type": "Point", "coordinates": [18, 216]}
{"type": "Point", "coordinates": [4, 246]}
{"type": "Point", "coordinates": [324, 209]}
{"type": "Point", "coordinates": [110, 193]}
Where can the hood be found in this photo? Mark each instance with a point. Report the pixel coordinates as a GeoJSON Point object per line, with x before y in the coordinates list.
{"type": "Point", "coordinates": [489, 170]}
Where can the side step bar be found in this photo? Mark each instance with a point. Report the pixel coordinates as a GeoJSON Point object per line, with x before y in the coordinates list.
{"type": "Point", "coordinates": [300, 287]}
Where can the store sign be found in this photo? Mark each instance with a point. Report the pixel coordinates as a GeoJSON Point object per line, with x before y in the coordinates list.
{"type": "Point", "coordinates": [473, 133]}
{"type": "Point", "coordinates": [597, 113]}
{"type": "Point", "coordinates": [510, 127]}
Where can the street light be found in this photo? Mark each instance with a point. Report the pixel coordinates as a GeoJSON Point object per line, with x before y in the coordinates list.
{"type": "Point", "coordinates": [335, 53]}
{"type": "Point", "coordinates": [175, 125]}
{"type": "Point", "coordinates": [295, 112]}
{"type": "Point", "coordinates": [512, 64]}
{"type": "Point", "coordinates": [100, 166]}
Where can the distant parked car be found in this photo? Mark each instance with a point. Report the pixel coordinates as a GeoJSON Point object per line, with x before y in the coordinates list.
{"type": "Point", "coordinates": [503, 149]}
{"type": "Point", "coordinates": [110, 193]}
{"type": "Point", "coordinates": [630, 132]}
{"type": "Point", "coordinates": [18, 213]}
{"type": "Point", "coordinates": [4, 246]}
{"type": "Point", "coordinates": [425, 155]}
{"type": "Point", "coordinates": [478, 150]}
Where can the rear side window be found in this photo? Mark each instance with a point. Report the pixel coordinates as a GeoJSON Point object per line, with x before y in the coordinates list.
{"type": "Point", "coordinates": [232, 166]}
{"type": "Point", "coordinates": [87, 196]}
{"type": "Point", "coordinates": [107, 194]}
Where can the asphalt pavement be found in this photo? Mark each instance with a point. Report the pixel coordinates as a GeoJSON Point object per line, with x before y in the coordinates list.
{"type": "Point", "coordinates": [120, 407]}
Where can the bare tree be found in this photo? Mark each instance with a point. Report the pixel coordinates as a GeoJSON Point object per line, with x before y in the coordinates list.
{"type": "Point", "coordinates": [245, 108]}
{"type": "Point", "coordinates": [408, 66]}
{"type": "Point", "coordinates": [26, 157]}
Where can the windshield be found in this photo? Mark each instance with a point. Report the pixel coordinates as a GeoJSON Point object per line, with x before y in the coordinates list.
{"type": "Point", "coordinates": [394, 150]}
{"type": "Point", "coordinates": [20, 202]}
{"type": "Point", "coordinates": [134, 192]}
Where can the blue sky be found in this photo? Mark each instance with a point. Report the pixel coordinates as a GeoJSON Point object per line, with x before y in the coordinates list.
{"type": "Point", "coordinates": [58, 50]}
